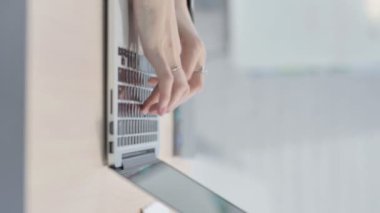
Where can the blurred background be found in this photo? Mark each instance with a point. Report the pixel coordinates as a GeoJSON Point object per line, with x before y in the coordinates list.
{"type": "Point", "coordinates": [289, 119]}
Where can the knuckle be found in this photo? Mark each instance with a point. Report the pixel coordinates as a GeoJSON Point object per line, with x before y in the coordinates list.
{"type": "Point", "coordinates": [184, 85]}
{"type": "Point", "coordinates": [182, 88]}
{"type": "Point", "coordinates": [184, 91]}
{"type": "Point", "coordinates": [187, 89]}
{"type": "Point", "coordinates": [198, 46]}
{"type": "Point", "coordinates": [198, 88]}
{"type": "Point", "coordinates": [166, 77]}
{"type": "Point", "coordinates": [195, 45]}
{"type": "Point", "coordinates": [154, 52]}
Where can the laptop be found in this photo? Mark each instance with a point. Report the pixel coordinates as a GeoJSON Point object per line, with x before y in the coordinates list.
{"type": "Point", "coordinates": [133, 138]}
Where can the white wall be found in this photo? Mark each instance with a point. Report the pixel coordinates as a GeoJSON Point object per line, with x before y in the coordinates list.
{"type": "Point", "coordinates": [285, 142]}
{"type": "Point", "coordinates": [298, 33]}
{"type": "Point", "coordinates": [290, 144]}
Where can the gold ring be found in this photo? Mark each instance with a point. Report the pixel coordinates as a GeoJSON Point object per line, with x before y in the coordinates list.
{"type": "Point", "coordinates": [175, 68]}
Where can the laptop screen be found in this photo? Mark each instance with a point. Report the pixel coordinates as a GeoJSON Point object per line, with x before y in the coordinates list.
{"type": "Point", "coordinates": [177, 190]}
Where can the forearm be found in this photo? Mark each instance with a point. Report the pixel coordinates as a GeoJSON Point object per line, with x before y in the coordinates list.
{"type": "Point", "coordinates": [186, 27]}
{"type": "Point", "coordinates": [180, 4]}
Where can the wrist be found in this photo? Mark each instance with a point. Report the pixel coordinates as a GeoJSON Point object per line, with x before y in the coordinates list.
{"type": "Point", "coordinates": [180, 4]}
{"type": "Point", "coordinates": [183, 16]}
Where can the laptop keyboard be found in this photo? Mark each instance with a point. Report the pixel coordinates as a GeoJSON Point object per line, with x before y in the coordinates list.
{"type": "Point", "coordinates": [133, 127]}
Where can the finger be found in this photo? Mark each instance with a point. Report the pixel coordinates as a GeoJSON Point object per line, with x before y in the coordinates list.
{"type": "Point", "coordinates": [152, 99]}
{"type": "Point", "coordinates": [154, 109]}
{"type": "Point", "coordinates": [165, 88]}
{"type": "Point", "coordinates": [153, 81]}
{"type": "Point", "coordinates": [180, 89]}
{"type": "Point", "coordinates": [165, 78]}
{"type": "Point", "coordinates": [192, 58]}
{"type": "Point", "coordinates": [162, 62]}
{"type": "Point", "coordinates": [162, 50]}
{"type": "Point", "coordinates": [196, 84]}
{"type": "Point", "coordinates": [189, 58]}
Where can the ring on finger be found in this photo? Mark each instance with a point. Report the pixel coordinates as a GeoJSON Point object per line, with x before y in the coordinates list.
{"type": "Point", "coordinates": [201, 69]}
{"type": "Point", "coordinates": [175, 68]}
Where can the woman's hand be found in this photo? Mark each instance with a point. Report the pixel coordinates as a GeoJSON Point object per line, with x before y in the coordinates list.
{"type": "Point", "coordinates": [172, 46]}
{"type": "Point", "coordinates": [193, 56]}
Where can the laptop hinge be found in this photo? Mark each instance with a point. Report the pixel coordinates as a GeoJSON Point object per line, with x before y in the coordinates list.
{"type": "Point", "coordinates": [135, 160]}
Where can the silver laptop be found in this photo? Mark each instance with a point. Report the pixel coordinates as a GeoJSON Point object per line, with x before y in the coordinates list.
{"type": "Point", "coordinates": [133, 138]}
